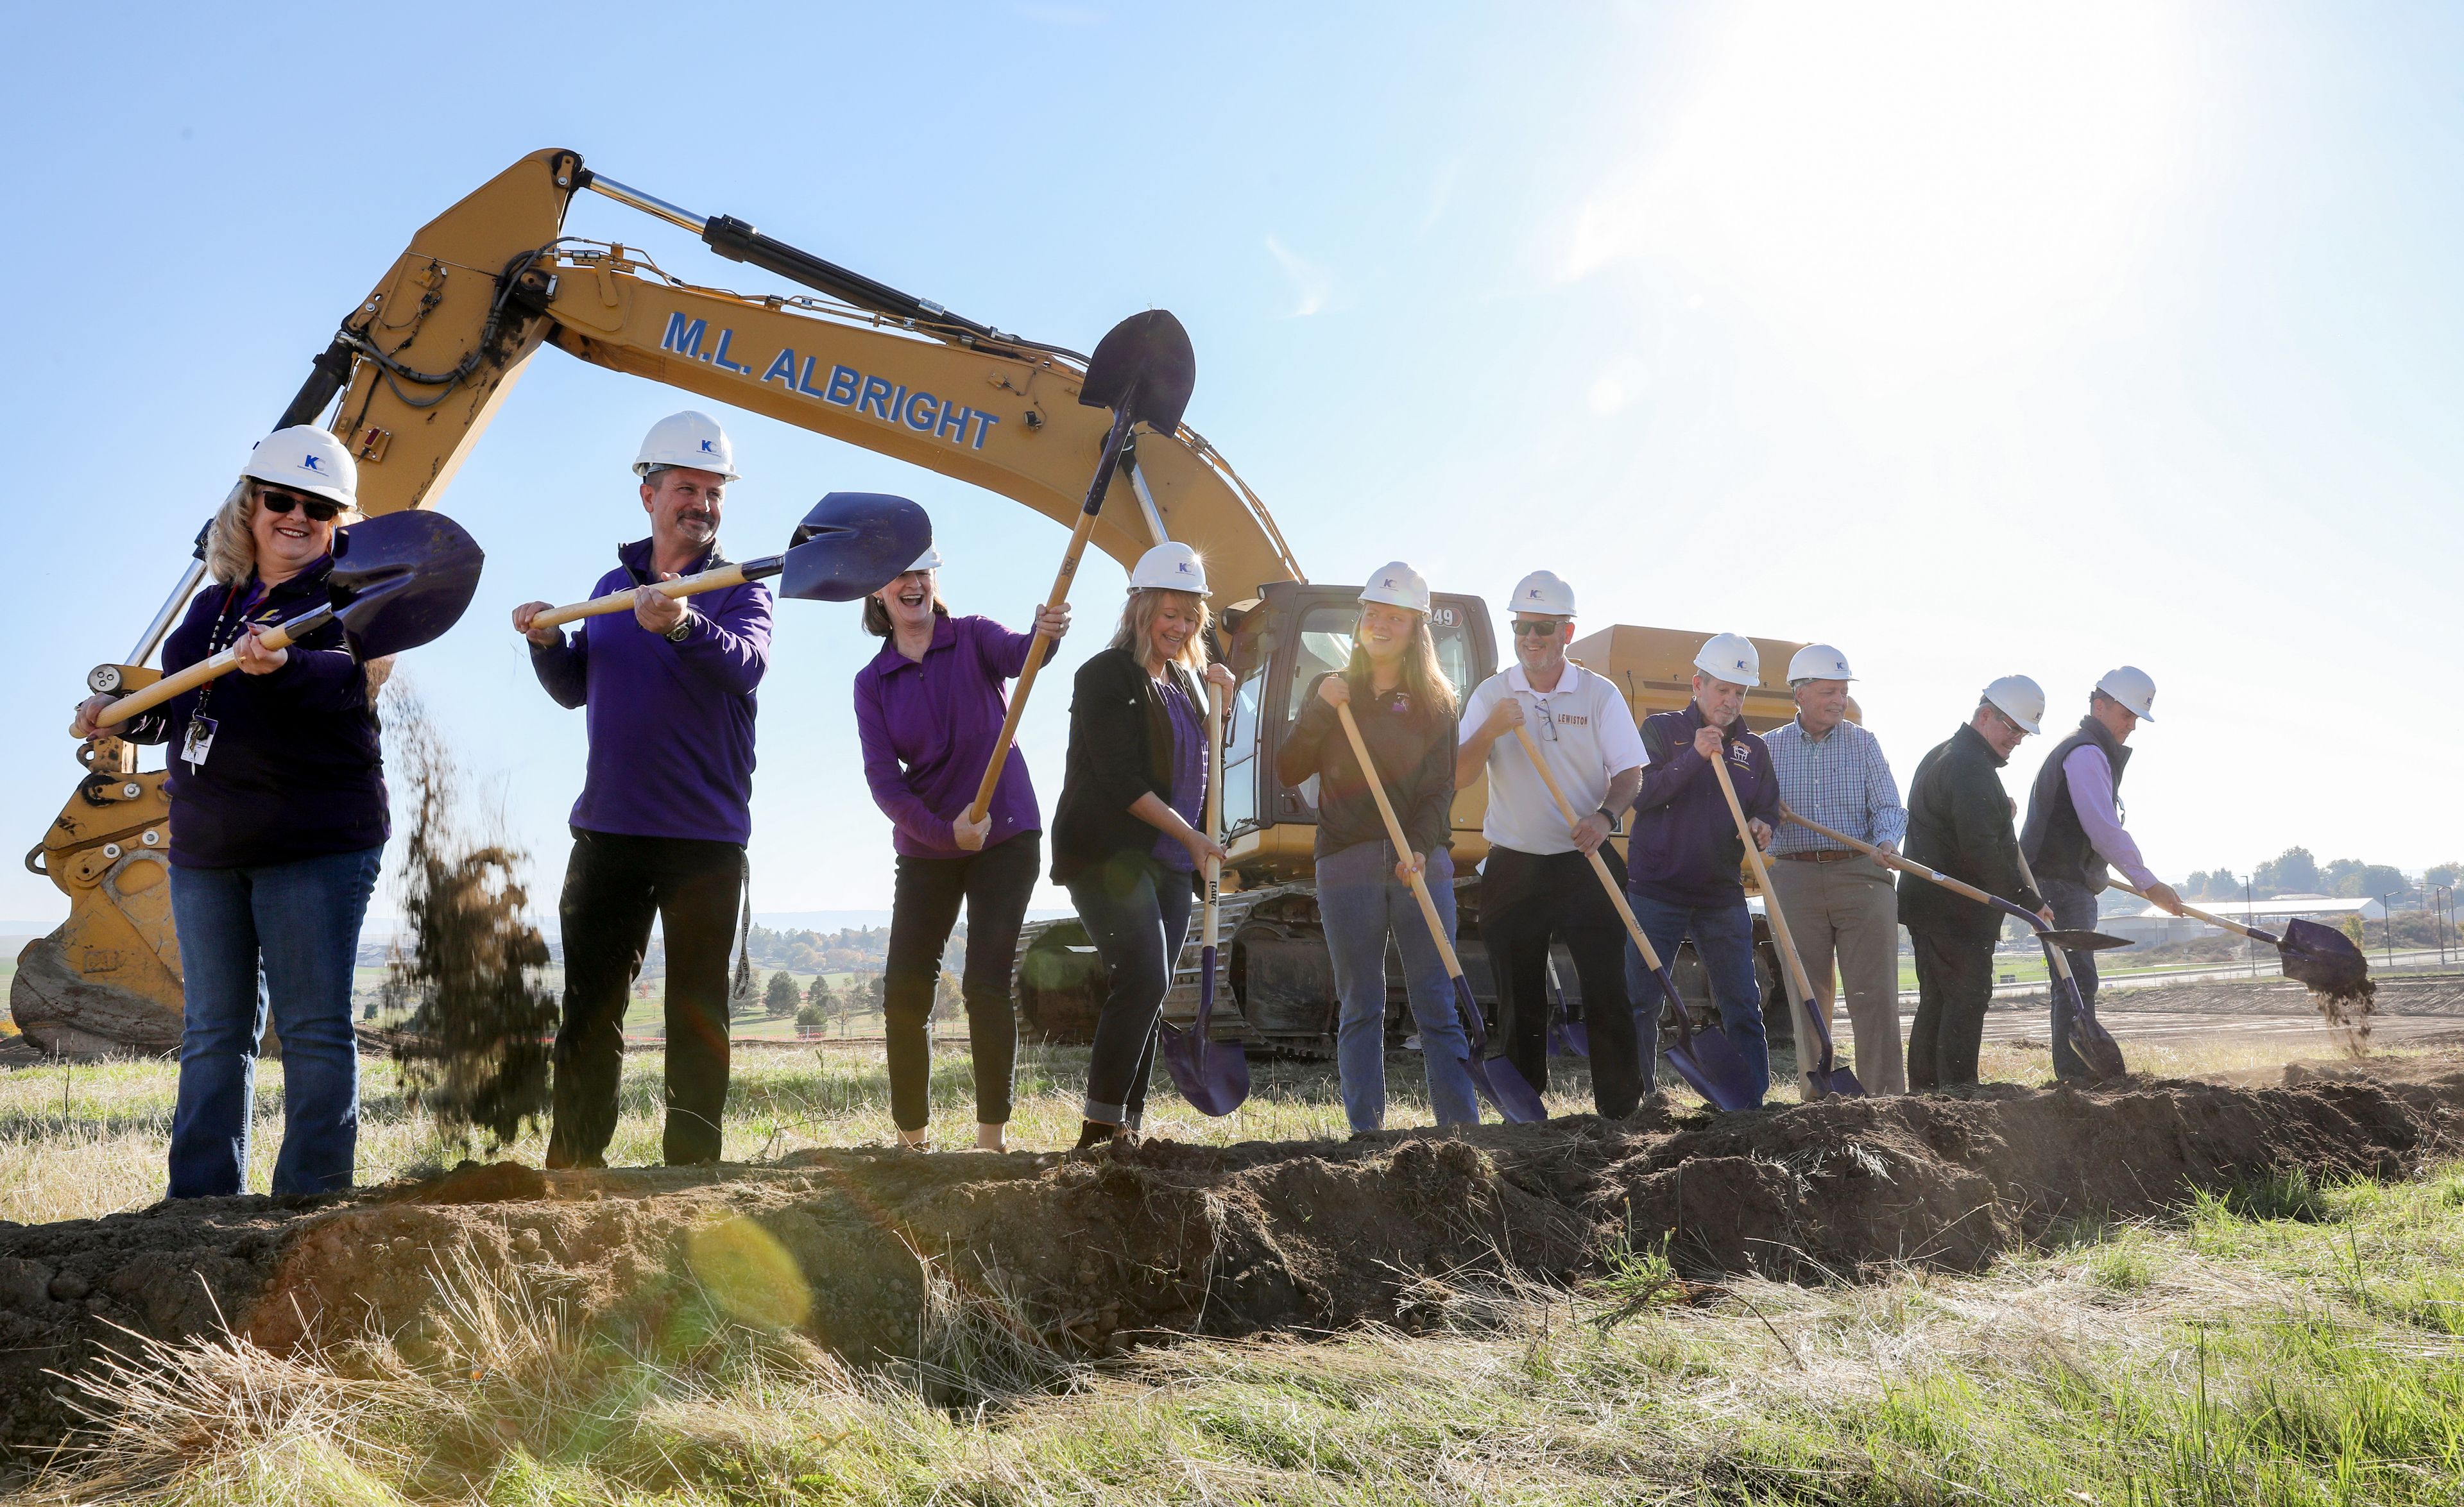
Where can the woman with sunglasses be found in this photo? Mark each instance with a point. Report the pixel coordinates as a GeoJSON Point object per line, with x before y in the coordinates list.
{"type": "Point", "coordinates": [1405, 707]}
{"type": "Point", "coordinates": [278, 824]}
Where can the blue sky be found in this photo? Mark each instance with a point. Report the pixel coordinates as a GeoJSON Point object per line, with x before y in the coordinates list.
{"type": "Point", "coordinates": [1972, 339]}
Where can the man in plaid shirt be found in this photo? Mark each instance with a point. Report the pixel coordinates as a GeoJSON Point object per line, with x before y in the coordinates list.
{"type": "Point", "coordinates": [1839, 903]}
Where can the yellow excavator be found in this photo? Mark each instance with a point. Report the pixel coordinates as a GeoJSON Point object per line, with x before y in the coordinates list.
{"type": "Point", "coordinates": [417, 369]}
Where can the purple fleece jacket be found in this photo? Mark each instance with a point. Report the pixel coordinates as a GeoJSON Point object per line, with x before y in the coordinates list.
{"type": "Point", "coordinates": [670, 724]}
{"type": "Point", "coordinates": [928, 728]}
{"type": "Point", "coordinates": [1685, 849]}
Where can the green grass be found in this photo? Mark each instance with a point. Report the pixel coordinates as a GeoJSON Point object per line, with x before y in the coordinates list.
{"type": "Point", "coordinates": [2219, 1357]}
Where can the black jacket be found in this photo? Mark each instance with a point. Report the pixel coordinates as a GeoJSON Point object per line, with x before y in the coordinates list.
{"type": "Point", "coordinates": [1414, 749]}
{"type": "Point", "coordinates": [1959, 822]}
{"type": "Point", "coordinates": [2056, 845]}
{"type": "Point", "coordinates": [1120, 747]}
{"type": "Point", "coordinates": [297, 767]}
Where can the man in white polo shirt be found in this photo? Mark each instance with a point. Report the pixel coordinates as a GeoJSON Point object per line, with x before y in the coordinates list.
{"type": "Point", "coordinates": [1536, 884]}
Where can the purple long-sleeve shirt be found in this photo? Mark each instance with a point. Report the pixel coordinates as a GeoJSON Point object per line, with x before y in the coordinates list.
{"type": "Point", "coordinates": [2090, 777]}
{"type": "Point", "coordinates": [928, 728]}
{"type": "Point", "coordinates": [670, 724]}
{"type": "Point", "coordinates": [1685, 849]}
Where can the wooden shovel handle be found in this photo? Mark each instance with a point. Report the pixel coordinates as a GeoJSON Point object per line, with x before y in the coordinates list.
{"type": "Point", "coordinates": [1035, 657]}
{"type": "Point", "coordinates": [1402, 844]}
{"type": "Point", "coordinates": [203, 670]}
{"type": "Point", "coordinates": [718, 579]}
{"type": "Point", "coordinates": [1791, 965]}
{"type": "Point", "coordinates": [2196, 915]}
{"type": "Point", "coordinates": [1213, 816]}
{"type": "Point", "coordinates": [1904, 865]}
{"type": "Point", "coordinates": [1599, 865]}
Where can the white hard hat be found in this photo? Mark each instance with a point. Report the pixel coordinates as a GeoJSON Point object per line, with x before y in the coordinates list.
{"type": "Point", "coordinates": [930, 559]}
{"type": "Point", "coordinates": [1398, 586]}
{"type": "Point", "coordinates": [1543, 595]}
{"type": "Point", "coordinates": [2133, 687]}
{"type": "Point", "coordinates": [1730, 657]}
{"type": "Point", "coordinates": [1170, 567]}
{"type": "Point", "coordinates": [2021, 699]}
{"type": "Point", "coordinates": [687, 439]}
{"type": "Point", "coordinates": [306, 458]}
{"type": "Point", "coordinates": [1818, 662]}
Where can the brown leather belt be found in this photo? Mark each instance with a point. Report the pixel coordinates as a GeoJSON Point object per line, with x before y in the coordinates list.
{"type": "Point", "coordinates": [1820, 856]}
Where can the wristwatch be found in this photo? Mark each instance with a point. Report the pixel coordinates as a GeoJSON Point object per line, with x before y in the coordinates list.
{"type": "Point", "coordinates": [1608, 817]}
{"type": "Point", "coordinates": [683, 629]}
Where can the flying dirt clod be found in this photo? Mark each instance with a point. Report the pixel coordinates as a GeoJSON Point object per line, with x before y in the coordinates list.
{"type": "Point", "coordinates": [474, 1051]}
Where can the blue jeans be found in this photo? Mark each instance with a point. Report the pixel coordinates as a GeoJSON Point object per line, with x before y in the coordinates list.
{"type": "Point", "coordinates": [2074, 907]}
{"type": "Point", "coordinates": [1361, 902]}
{"type": "Point", "coordinates": [1137, 913]}
{"type": "Point", "coordinates": [298, 922]}
{"type": "Point", "coordinates": [1724, 939]}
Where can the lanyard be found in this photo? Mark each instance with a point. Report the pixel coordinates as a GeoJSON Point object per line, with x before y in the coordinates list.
{"type": "Point", "coordinates": [229, 625]}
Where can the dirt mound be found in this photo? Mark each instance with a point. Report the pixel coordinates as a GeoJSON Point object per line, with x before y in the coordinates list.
{"type": "Point", "coordinates": [1087, 1255]}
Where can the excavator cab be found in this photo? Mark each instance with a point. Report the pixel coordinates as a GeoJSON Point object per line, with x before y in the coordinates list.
{"type": "Point", "coordinates": [1278, 644]}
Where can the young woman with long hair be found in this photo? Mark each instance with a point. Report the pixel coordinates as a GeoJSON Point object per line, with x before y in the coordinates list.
{"type": "Point", "coordinates": [1405, 707]}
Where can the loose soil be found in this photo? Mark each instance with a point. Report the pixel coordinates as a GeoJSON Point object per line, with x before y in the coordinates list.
{"type": "Point", "coordinates": [1089, 1253]}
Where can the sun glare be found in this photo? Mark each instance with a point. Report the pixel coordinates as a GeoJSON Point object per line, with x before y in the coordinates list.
{"type": "Point", "coordinates": [1908, 192]}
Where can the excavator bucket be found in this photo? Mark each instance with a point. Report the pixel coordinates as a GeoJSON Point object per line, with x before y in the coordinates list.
{"type": "Point", "coordinates": [402, 579]}
{"type": "Point", "coordinates": [853, 544]}
{"type": "Point", "coordinates": [1146, 363]}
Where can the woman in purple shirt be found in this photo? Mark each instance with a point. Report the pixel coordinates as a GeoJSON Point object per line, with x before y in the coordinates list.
{"type": "Point", "coordinates": [929, 708]}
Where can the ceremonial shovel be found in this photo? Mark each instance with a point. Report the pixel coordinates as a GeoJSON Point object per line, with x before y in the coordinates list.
{"type": "Point", "coordinates": [1143, 369]}
{"type": "Point", "coordinates": [2094, 1042]}
{"type": "Point", "coordinates": [399, 580]}
{"type": "Point", "coordinates": [851, 545]}
{"type": "Point", "coordinates": [1212, 1075]}
{"type": "Point", "coordinates": [2321, 957]}
{"type": "Point", "coordinates": [1500, 1083]}
{"type": "Point", "coordinates": [1709, 1060]}
{"type": "Point", "coordinates": [1827, 1077]}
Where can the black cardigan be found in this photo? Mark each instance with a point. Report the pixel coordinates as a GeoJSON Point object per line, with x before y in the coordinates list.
{"type": "Point", "coordinates": [1120, 747]}
{"type": "Point", "coordinates": [1959, 823]}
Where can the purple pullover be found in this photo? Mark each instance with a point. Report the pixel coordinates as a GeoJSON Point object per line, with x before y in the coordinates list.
{"type": "Point", "coordinates": [670, 724]}
{"type": "Point", "coordinates": [1685, 849]}
{"type": "Point", "coordinates": [928, 728]}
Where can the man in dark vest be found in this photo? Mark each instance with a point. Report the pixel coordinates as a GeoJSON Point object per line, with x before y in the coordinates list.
{"type": "Point", "coordinates": [2075, 830]}
{"type": "Point", "coordinates": [1959, 824]}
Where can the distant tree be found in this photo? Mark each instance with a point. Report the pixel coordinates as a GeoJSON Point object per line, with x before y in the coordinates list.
{"type": "Point", "coordinates": [780, 999]}
{"type": "Point", "coordinates": [2342, 877]}
{"type": "Point", "coordinates": [819, 995]}
{"type": "Point", "coordinates": [2292, 871]}
{"type": "Point", "coordinates": [876, 992]}
{"type": "Point", "coordinates": [2374, 880]}
{"type": "Point", "coordinates": [2448, 874]}
{"type": "Point", "coordinates": [745, 992]}
{"type": "Point", "coordinates": [812, 1020]}
{"type": "Point", "coordinates": [948, 1003]}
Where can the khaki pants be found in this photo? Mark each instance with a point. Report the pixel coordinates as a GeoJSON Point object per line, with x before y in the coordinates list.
{"type": "Point", "coordinates": [1847, 911]}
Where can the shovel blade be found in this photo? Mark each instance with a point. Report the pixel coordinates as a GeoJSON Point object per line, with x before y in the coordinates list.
{"type": "Point", "coordinates": [853, 544]}
{"type": "Point", "coordinates": [1708, 1059]}
{"type": "Point", "coordinates": [1570, 1038]}
{"type": "Point", "coordinates": [2089, 1039]}
{"type": "Point", "coordinates": [1508, 1091]}
{"type": "Point", "coordinates": [2083, 941]}
{"type": "Point", "coordinates": [2323, 958]}
{"type": "Point", "coordinates": [401, 580]}
{"type": "Point", "coordinates": [1212, 1076]}
{"type": "Point", "coordinates": [1145, 363]}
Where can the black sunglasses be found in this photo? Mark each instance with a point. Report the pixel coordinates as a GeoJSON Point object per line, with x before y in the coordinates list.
{"type": "Point", "coordinates": [317, 509]}
{"type": "Point", "coordinates": [1536, 630]}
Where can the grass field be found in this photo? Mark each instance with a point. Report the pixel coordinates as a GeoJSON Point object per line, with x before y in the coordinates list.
{"type": "Point", "coordinates": [2288, 1344]}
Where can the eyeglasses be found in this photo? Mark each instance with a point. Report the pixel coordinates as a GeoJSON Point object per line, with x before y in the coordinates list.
{"type": "Point", "coordinates": [1547, 720]}
{"type": "Point", "coordinates": [317, 509]}
{"type": "Point", "coordinates": [1536, 630]}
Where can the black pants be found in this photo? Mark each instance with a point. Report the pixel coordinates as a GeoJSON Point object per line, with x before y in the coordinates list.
{"type": "Point", "coordinates": [1524, 900]}
{"type": "Point", "coordinates": [613, 886]}
{"type": "Point", "coordinates": [994, 883]}
{"type": "Point", "coordinates": [1135, 910]}
{"type": "Point", "coordinates": [2075, 909]}
{"type": "Point", "coordinates": [1954, 984]}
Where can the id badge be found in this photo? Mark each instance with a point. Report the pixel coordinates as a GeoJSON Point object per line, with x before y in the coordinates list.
{"type": "Point", "coordinates": [199, 742]}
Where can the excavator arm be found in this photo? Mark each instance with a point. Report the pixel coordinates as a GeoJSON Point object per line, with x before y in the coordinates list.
{"type": "Point", "coordinates": [418, 368]}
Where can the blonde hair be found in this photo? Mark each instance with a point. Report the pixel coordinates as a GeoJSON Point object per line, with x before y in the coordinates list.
{"type": "Point", "coordinates": [1138, 624]}
{"type": "Point", "coordinates": [1425, 679]}
{"type": "Point", "coordinates": [231, 539]}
